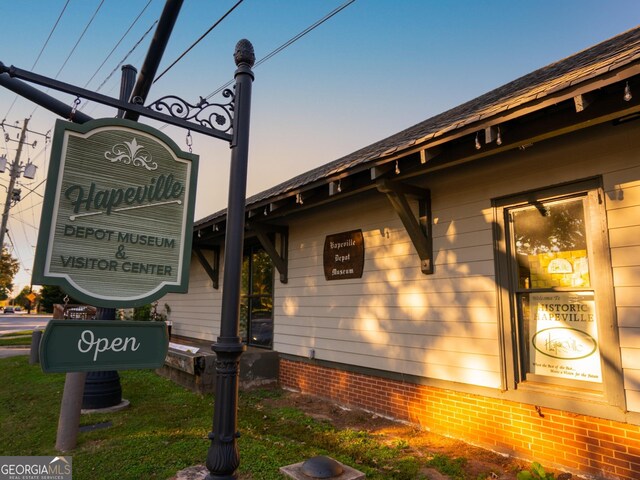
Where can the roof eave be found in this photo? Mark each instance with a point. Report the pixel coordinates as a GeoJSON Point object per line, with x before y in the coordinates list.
{"type": "Point", "coordinates": [436, 141]}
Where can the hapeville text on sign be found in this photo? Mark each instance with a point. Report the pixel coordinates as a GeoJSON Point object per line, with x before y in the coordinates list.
{"type": "Point", "coordinates": [117, 223]}
{"type": "Point", "coordinates": [106, 200]}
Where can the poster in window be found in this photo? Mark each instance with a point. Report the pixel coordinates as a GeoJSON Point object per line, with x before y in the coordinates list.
{"type": "Point", "coordinates": [563, 336]}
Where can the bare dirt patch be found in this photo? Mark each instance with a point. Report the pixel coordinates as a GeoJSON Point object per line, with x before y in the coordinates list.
{"type": "Point", "coordinates": [478, 464]}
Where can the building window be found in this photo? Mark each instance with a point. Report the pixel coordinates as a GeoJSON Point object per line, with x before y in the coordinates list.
{"type": "Point", "coordinates": [558, 314]}
{"type": "Point", "coordinates": [256, 302]}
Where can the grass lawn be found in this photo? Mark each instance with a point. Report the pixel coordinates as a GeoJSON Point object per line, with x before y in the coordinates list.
{"type": "Point", "coordinates": [22, 338]}
{"type": "Point", "coordinates": [165, 430]}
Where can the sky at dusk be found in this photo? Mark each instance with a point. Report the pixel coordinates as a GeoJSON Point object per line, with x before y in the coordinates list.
{"type": "Point", "coordinates": [371, 70]}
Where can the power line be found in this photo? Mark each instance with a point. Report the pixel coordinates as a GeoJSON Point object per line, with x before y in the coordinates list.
{"type": "Point", "coordinates": [288, 43]}
{"type": "Point", "coordinates": [23, 266]}
{"type": "Point", "coordinates": [15, 250]}
{"type": "Point", "coordinates": [304, 32]}
{"type": "Point", "coordinates": [50, 34]}
{"type": "Point", "coordinates": [127, 55]}
{"type": "Point", "coordinates": [280, 48]}
{"type": "Point", "coordinates": [121, 62]}
{"type": "Point", "coordinates": [119, 42]}
{"type": "Point", "coordinates": [15, 218]}
{"type": "Point", "coordinates": [75, 46]}
{"type": "Point", "coordinates": [28, 208]}
{"type": "Point", "coordinates": [198, 40]}
{"type": "Point", "coordinates": [32, 190]}
{"type": "Point", "coordinates": [40, 54]}
{"type": "Point", "coordinates": [24, 231]}
{"type": "Point", "coordinates": [80, 38]}
{"type": "Point", "coordinates": [3, 124]}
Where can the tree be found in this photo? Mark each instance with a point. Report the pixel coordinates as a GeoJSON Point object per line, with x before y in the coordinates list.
{"type": "Point", "coordinates": [23, 300]}
{"type": "Point", "coordinates": [51, 294]}
{"type": "Point", "coordinates": [550, 227]}
{"type": "Point", "coordinates": [9, 266]}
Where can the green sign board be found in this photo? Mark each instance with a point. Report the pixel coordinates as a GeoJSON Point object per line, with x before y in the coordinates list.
{"type": "Point", "coordinates": [95, 345]}
{"type": "Point", "coordinates": [117, 220]}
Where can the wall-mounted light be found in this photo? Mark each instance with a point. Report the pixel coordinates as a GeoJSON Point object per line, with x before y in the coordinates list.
{"type": "Point", "coordinates": [339, 185]}
{"type": "Point", "coordinates": [397, 168]}
{"type": "Point", "coordinates": [299, 199]}
{"type": "Point", "coordinates": [478, 146]}
{"type": "Point", "coordinates": [627, 93]}
{"type": "Point", "coordinates": [499, 138]}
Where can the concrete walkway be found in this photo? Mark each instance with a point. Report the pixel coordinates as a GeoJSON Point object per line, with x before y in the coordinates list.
{"type": "Point", "coordinates": [6, 352]}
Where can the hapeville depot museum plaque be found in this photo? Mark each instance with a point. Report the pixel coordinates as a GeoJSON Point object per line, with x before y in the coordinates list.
{"type": "Point", "coordinates": [343, 255]}
{"type": "Point", "coordinates": [117, 220]}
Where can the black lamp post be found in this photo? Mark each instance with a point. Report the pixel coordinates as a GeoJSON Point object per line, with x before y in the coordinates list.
{"type": "Point", "coordinates": [223, 457]}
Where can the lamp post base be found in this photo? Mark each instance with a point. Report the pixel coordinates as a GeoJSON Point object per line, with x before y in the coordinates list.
{"type": "Point", "coordinates": [223, 457]}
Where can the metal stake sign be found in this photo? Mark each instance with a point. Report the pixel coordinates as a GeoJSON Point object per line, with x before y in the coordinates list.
{"type": "Point", "coordinates": [90, 346]}
{"type": "Point", "coordinates": [117, 220]}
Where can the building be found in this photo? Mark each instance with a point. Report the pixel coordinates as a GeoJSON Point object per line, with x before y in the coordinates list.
{"type": "Point", "coordinates": [477, 274]}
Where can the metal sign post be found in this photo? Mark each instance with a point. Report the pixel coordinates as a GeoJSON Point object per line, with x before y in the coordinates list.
{"type": "Point", "coordinates": [223, 457]}
{"type": "Point", "coordinates": [228, 122]}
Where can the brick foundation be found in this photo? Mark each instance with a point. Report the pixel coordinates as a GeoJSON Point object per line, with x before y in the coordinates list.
{"type": "Point", "coordinates": [590, 446]}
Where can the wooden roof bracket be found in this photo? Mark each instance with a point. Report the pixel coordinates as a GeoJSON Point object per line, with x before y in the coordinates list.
{"type": "Point", "coordinates": [213, 270]}
{"type": "Point", "coordinates": [419, 229]}
{"type": "Point", "coordinates": [279, 258]}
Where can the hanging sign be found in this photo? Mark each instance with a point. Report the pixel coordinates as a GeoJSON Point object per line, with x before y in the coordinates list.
{"type": "Point", "coordinates": [343, 255]}
{"type": "Point", "coordinates": [117, 220]}
{"type": "Point", "coordinates": [564, 336]}
{"type": "Point", "coordinates": [96, 345]}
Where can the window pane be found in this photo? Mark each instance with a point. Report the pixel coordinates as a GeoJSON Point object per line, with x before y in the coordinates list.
{"type": "Point", "coordinates": [256, 307]}
{"type": "Point", "coordinates": [244, 285]}
{"type": "Point", "coordinates": [262, 274]}
{"type": "Point", "coordinates": [244, 300]}
{"type": "Point", "coordinates": [262, 321]}
{"type": "Point", "coordinates": [550, 245]}
{"type": "Point", "coordinates": [244, 318]}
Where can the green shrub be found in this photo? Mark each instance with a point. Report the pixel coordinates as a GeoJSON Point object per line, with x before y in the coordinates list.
{"type": "Point", "coordinates": [142, 313]}
{"type": "Point", "coordinates": [537, 472]}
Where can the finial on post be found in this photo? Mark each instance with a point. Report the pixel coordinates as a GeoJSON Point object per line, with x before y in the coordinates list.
{"type": "Point", "coordinates": [244, 53]}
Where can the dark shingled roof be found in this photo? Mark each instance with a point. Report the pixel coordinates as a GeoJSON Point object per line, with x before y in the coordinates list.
{"type": "Point", "coordinates": [595, 61]}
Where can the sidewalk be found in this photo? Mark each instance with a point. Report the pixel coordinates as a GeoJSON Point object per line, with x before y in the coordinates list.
{"type": "Point", "coordinates": [6, 352]}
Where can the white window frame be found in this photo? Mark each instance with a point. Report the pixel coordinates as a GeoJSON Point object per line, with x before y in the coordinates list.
{"type": "Point", "coordinates": [555, 394]}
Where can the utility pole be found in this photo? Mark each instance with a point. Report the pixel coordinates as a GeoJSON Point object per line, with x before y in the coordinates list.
{"type": "Point", "coordinates": [15, 171]}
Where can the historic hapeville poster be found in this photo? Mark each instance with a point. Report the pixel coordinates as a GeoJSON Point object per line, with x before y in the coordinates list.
{"type": "Point", "coordinates": [563, 336]}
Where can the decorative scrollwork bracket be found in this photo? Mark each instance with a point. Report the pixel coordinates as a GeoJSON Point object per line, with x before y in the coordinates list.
{"type": "Point", "coordinates": [216, 116]}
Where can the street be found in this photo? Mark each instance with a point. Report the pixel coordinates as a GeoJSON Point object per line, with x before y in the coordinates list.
{"type": "Point", "coordinates": [15, 323]}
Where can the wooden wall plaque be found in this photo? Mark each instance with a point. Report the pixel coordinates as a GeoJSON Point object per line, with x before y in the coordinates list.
{"type": "Point", "coordinates": [343, 255]}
